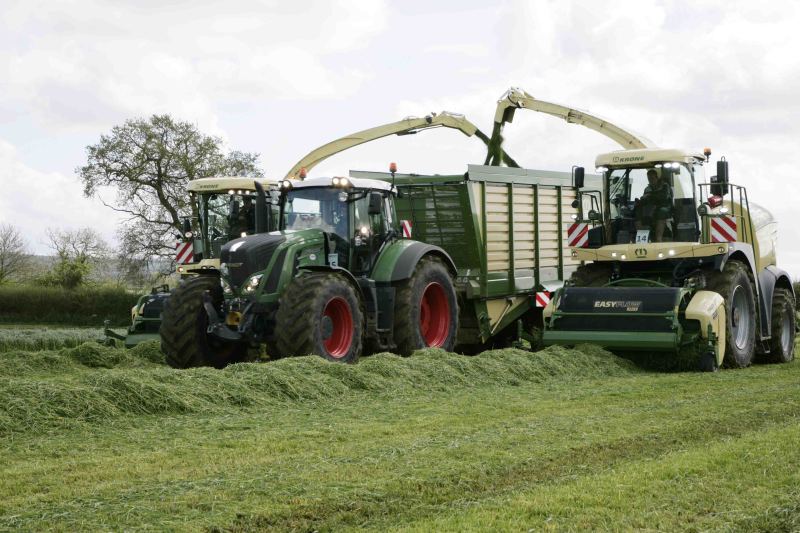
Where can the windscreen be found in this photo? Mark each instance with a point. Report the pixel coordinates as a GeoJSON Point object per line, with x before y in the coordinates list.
{"type": "Point", "coordinates": [225, 216]}
{"type": "Point", "coordinates": [323, 208]}
{"type": "Point", "coordinates": [652, 204]}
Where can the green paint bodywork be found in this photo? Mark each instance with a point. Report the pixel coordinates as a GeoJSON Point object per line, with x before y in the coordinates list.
{"type": "Point", "coordinates": [384, 266]}
{"type": "Point", "coordinates": [300, 246]}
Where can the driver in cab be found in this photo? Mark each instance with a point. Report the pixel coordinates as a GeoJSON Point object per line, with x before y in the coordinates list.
{"type": "Point", "coordinates": [655, 205]}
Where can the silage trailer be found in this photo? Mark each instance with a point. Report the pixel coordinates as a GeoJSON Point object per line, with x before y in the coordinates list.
{"type": "Point", "coordinates": [506, 230]}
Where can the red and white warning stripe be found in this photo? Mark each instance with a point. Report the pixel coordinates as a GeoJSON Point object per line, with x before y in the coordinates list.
{"type": "Point", "coordinates": [406, 228]}
{"type": "Point", "coordinates": [183, 253]}
{"type": "Point", "coordinates": [723, 229]}
{"type": "Point", "coordinates": [578, 235]}
{"type": "Point", "coordinates": [542, 299]}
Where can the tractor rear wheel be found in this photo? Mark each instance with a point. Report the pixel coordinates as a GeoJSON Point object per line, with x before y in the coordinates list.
{"type": "Point", "coordinates": [319, 313]}
{"type": "Point", "coordinates": [736, 288]}
{"type": "Point", "coordinates": [783, 327]}
{"type": "Point", "coordinates": [426, 310]}
{"type": "Point", "coordinates": [184, 337]}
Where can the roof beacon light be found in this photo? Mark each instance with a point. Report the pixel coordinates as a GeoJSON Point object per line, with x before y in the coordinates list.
{"type": "Point", "coordinates": [303, 173]}
{"type": "Point", "coordinates": [707, 152]}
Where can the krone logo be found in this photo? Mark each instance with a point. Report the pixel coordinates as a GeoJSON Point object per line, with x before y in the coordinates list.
{"type": "Point", "coordinates": [640, 252]}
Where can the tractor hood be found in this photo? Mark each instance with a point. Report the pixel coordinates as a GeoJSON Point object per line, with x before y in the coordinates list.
{"type": "Point", "coordinates": [242, 257]}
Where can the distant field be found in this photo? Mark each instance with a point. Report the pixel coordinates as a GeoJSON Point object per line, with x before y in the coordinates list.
{"type": "Point", "coordinates": [96, 438]}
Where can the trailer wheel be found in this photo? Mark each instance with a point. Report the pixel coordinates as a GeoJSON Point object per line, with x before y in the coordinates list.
{"type": "Point", "coordinates": [426, 310]}
{"type": "Point", "coordinates": [319, 313]}
{"type": "Point", "coordinates": [783, 327]}
{"type": "Point", "coordinates": [735, 287]}
{"type": "Point", "coordinates": [184, 337]}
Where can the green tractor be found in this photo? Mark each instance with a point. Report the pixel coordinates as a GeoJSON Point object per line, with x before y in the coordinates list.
{"type": "Point", "coordinates": [337, 279]}
{"type": "Point", "coordinates": [674, 266]}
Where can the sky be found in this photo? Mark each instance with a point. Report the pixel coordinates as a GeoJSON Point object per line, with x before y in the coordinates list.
{"type": "Point", "coordinates": [281, 78]}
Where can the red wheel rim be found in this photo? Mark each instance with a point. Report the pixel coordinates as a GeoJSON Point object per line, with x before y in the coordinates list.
{"type": "Point", "coordinates": [338, 311]}
{"type": "Point", "coordinates": [434, 315]}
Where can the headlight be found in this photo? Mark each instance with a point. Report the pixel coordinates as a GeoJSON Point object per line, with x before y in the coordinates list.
{"type": "Point", "coordinates": [253, 282]}
{"type": "Point", "coordinates": [226, 287]}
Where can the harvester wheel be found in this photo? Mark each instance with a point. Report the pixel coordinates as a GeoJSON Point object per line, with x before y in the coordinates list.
{"type": "Point", "coordinates": [426, 309]}
{"type": "Point", "coordinates": [319, 313]}
{"type": "Point", "coordinates": [735, 287]}
{"type": "Point", "coordinates": [184, 323]}
{"type": "Point", "coordinates": [783, 327]}
{"type": "Point", "coordinates": [591, 275]}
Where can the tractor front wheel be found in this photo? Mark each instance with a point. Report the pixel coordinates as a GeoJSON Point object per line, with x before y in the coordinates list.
{"type": "Point", "coordinates": [184, 323]}
{"type": "Point", "coordinates": [426, 310]}
{"type": "Point", "coordinates": [736, 288]}
{"type": "Point", "coordinates": [319, 313]}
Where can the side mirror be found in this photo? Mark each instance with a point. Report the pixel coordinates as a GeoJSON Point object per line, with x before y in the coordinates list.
{"type": "Point", "coordinates": [594, 216]}
{"type": "Point", "coordinates": [187, 225]}
{"type": "Point", "coordinates": [722, 171]}
{"type": "Point", "coordinates": [577, 177]}
{"type": "Point", "coordinates": [234, 208]}
{"type": "Point", "coordinates": [575, 203]}
{"type": "Point", "coordinates": [719, 182]}
{"type": "Point", "coordinates": [375, 203]}
{"type": "Point", "coordinates": [718, 187]}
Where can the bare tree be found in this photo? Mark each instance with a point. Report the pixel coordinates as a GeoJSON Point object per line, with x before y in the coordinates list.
{"type": "Point", "coordinates": [13, 257]}
{"type": "Point", "coordinates": [82, 245]}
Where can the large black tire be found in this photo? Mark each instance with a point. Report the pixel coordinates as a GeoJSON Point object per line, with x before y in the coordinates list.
{"type": "Point", "coordinates": [184, 323]}
{"type": "Point", "coordinates": [319, 313]}
{"type": "Point", "coordinates": [783, 327]}
{"type": "Point", "coordinates": [736, 288]}
{"type": "Point", "coordinates": [591, 275]}
{"type": "Point", "coordinates": [426, 309]}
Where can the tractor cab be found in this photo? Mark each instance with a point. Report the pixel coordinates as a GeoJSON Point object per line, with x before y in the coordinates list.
{"type": "Point", "coordinates": [357, 217]}
{"type": "Point", "coordinates": [649, 197]}
{"type": "Point", "coordinates": [224, 210]}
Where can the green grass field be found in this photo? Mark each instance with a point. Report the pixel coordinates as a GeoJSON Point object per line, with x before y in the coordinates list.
{"type": "Point", "coordinates": [96, 438]}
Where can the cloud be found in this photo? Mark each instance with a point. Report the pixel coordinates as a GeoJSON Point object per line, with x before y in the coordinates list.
{"type": "Point", "coordinates": [34, 201]}
{"type": "Point", "coordinates": [83, 65]}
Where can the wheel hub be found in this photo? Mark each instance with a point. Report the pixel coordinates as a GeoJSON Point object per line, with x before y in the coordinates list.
{"type": "Point", "coordinates": [434, 315]}
{"type": "Point", "coordinates": [337, 327]}
{"type": "Point", "coordinates": [326, 327]}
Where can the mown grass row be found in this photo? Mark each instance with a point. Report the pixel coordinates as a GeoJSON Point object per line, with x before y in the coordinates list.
{"type": "Point", "coordinates": [45, 338]}
{"type": "Point", "coordinates": [92, 383]}
{"type": "Point", "coordinates": [627, 451]}
{"type": "Point", "coordinates": [87, 306]}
